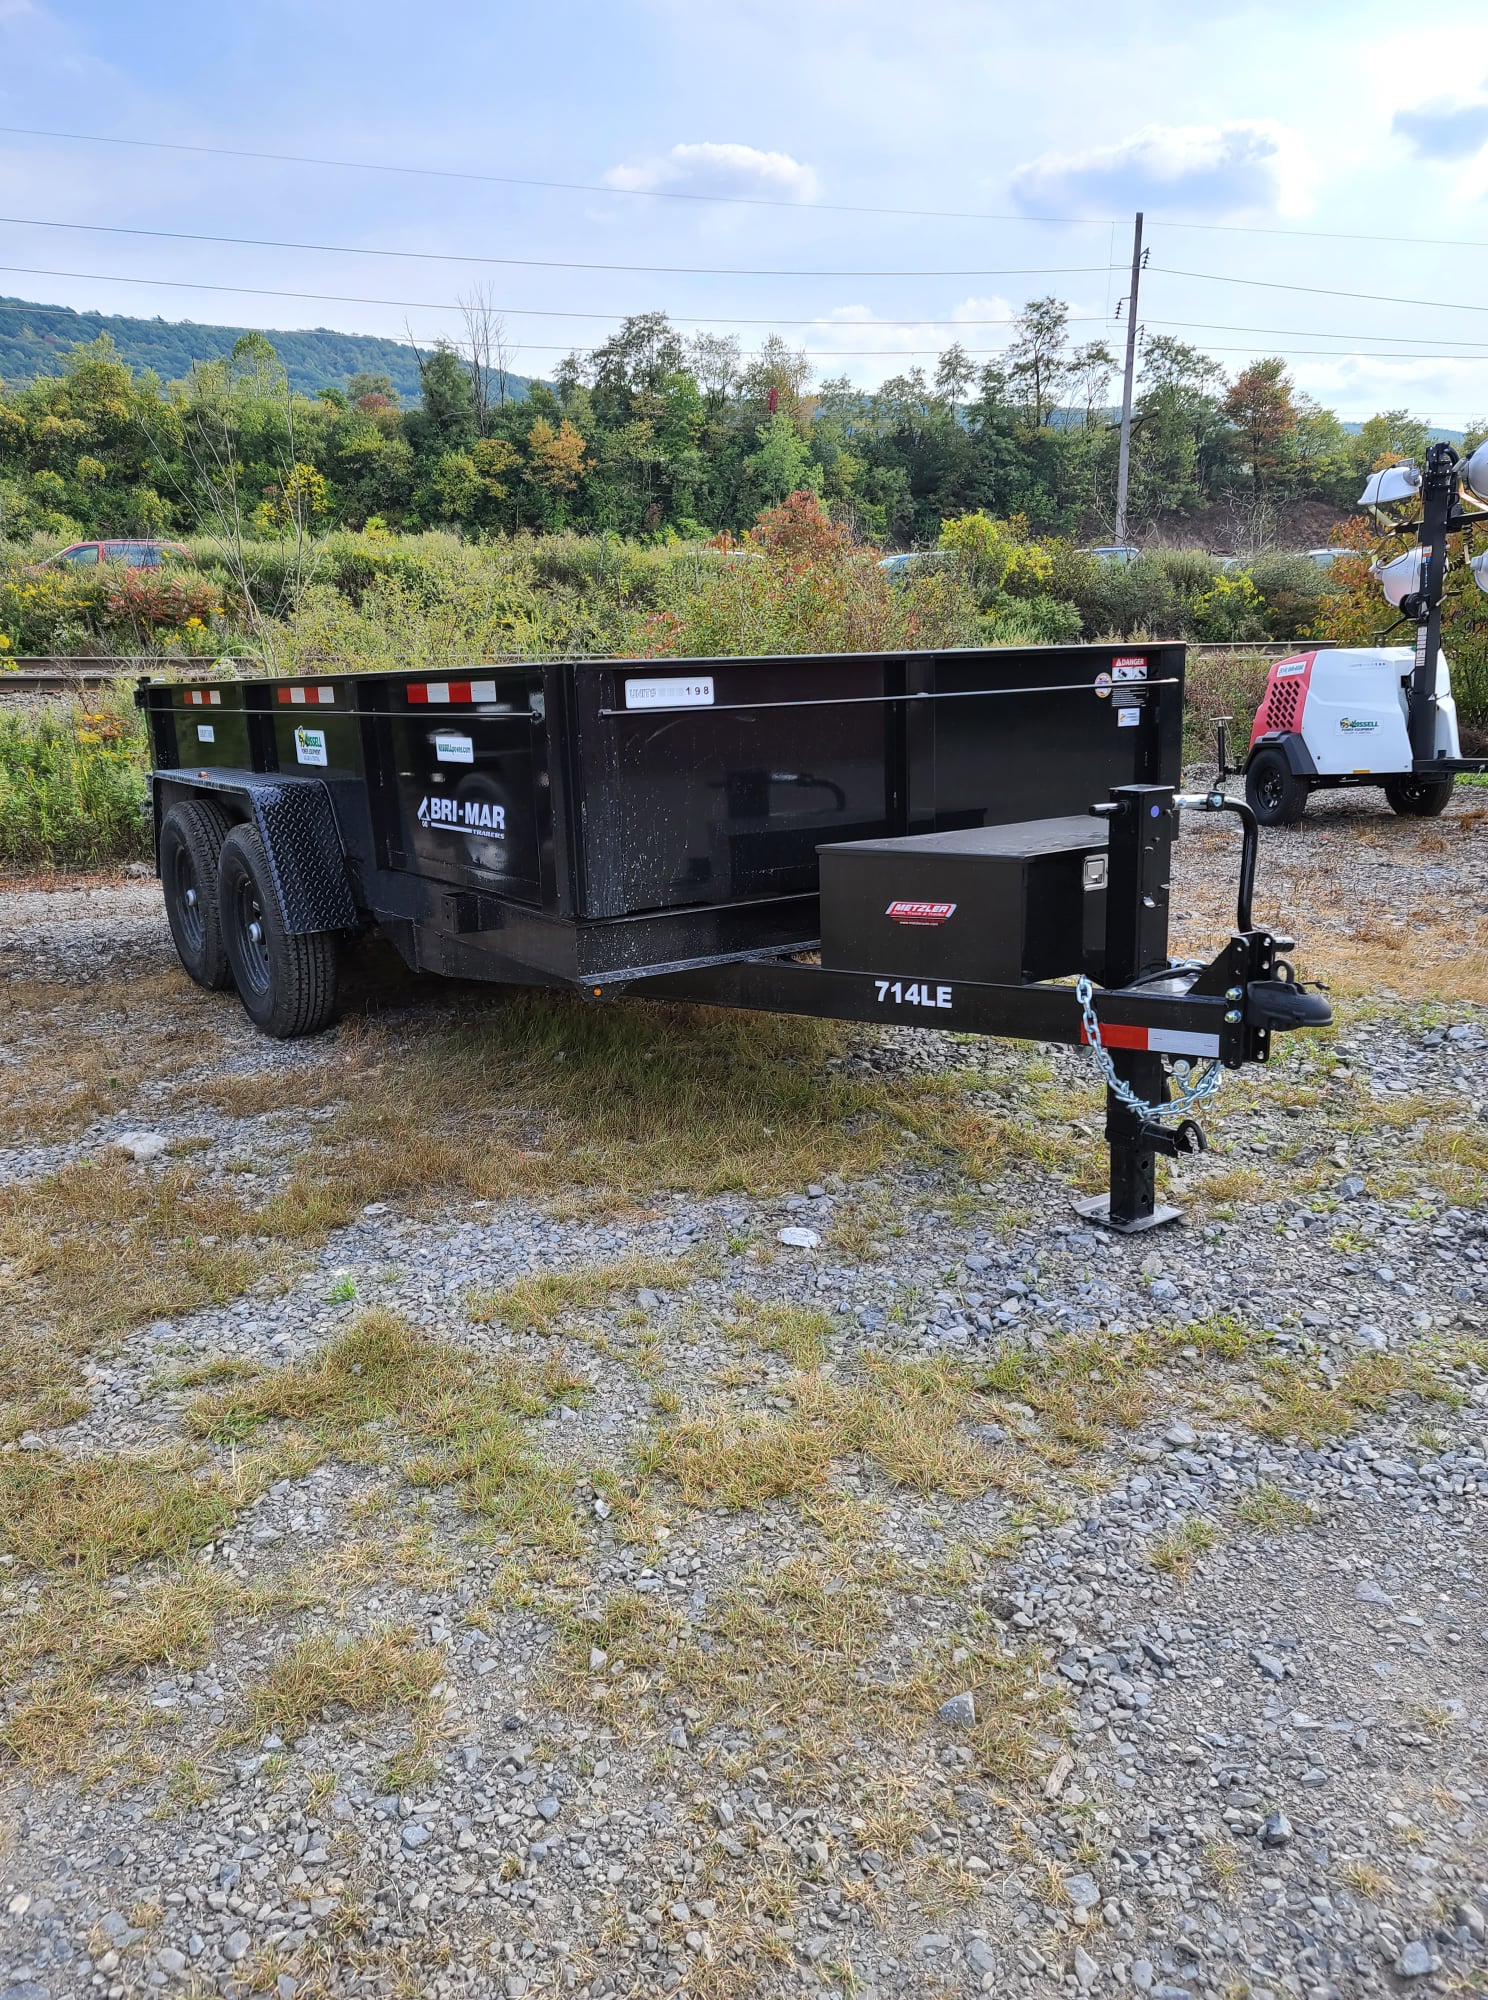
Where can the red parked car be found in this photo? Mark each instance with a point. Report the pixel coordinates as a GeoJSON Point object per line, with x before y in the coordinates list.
{"type": "Point", "coordinates": [136, 554]}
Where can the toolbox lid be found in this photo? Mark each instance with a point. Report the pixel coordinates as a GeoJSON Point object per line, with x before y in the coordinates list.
{"type": "Point", "coordinates": [1075, 831]}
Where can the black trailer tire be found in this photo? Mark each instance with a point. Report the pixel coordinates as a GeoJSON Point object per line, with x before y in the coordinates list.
{"type": "Point", "coordinates": [191, 837]}
{"type": "Point", "coordinates": [286, 982]}
{"type": "Point", "coordinates": [1273, 793]}
{"type": "Point", "coordinates": [1419, 798]}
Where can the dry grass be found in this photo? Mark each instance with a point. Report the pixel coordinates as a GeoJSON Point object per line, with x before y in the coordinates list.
{"type": "Point", "coordinates": [904, 1418]}
{"type": "Point", "coordinates": [96, 1515]}
{"type": "Point", "coordinates": [536, 1304]}
{"type": "Point", "coordinates": [1178, 1551]}
{"type": "Point", "coordinates": [1269, 1509]}
{"type": "Point", "coordinates": [327, 1671]}
{"type": "Point", "coordinates": [457, 1413]}
{"type": "Point", "coordinates": [1290, 1400]}
{"type": "Point", "coordinates": [97, 1249]}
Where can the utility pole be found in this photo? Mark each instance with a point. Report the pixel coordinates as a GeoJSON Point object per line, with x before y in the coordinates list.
{"type": "Point", "coordinates": [1123, 463]}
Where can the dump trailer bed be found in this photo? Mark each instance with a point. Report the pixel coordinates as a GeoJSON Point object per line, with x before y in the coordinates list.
{"type": "Point", "coordinates": [695, 829]}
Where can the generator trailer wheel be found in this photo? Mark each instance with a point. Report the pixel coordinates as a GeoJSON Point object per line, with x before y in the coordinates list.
{"type": "Point", "coordinates": [191, 837]}
{"type": "Point", "coordinates": [286, 981]}
{"type": "Point", "coordinates": [1273, 793]}
{"type": "Point", "coordinates": [1419, 798]}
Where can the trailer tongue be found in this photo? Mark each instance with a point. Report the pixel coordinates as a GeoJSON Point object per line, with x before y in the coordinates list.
{"type": "Point", "coordinates": [972, 840]}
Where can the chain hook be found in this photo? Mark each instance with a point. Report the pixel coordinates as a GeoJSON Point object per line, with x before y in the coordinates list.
{"type": "Point", "coordinates": [1192, 1097]}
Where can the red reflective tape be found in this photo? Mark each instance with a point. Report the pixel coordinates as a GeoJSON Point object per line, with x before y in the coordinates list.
{"type": "Point", "coordinates": [1116, 1035]}
{"type": "Point", "coordinates": [417, 692]}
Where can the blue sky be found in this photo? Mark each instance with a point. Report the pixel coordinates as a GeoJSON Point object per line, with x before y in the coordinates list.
{"type": "Point", "coordinates": [1281, 124]}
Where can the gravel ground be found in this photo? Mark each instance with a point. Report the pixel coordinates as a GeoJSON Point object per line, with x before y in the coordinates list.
{"type": "Point", "coordinates": [1253, 1654]}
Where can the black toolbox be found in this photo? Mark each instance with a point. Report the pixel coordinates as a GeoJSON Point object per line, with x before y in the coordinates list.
{"type": "Point", "coordinates": [1010, 904]}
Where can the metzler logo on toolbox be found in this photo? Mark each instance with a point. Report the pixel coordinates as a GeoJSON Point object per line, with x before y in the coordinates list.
{"type": "Point", "coordinates": [920, 913]}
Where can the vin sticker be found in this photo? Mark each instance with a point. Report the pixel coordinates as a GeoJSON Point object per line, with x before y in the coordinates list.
{"type": "Point", "coordinates": [310, 746]}
{"type": "Point", "coordinates": [206, 732]}
{"type": "Point", "coordinates": [918, 993]}
{"type": "Point", "coordinates": [672, 692]}
{"type": "Point", "coordinates": [452, 748]}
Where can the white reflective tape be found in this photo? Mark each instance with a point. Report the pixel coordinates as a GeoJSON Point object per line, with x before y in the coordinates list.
{"type": "Point", "coordinates": [297, 697]}
{"type": "Point", "coordinates": [1179, 1042]}
{"type": "Point", "coordinates": [325, 695]}
{"type": "Point", "coordinates": [483, 690]}
{"type": "Point", "coordinates": [437, 691]}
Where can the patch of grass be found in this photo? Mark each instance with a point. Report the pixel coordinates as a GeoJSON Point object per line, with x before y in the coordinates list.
{"type": "Point", "coordinates": [903, 1417]}
{"type": "Point", "coordinates": [1365, 1880]}
{"type": "Point", "coordinates": [535, 1305]}
{"type": "Point", "coordinates": [1177, 1552]}
{"type": "Point", "coordinates": [1225, 1863]}
{"type": "Point", "coordinates": [800, 1334]}
{"type": "Point", "coordinates": [1269, 1509]}
{"type": "Point", "coordinates": [51, 1729]}
{"type": "Point", "coordinates": [1292, 1401]}
{"type": "Point", "coordinates": [209, 1374]}
{"type": "Point", "coordinates": [96, 1515]}
{"type": "Point", "coordinates": [99, 1248]}
{"type": "Point", "coordinates": [457, 1411]}
{"type": "Point", "coordinates": [327, 1670]}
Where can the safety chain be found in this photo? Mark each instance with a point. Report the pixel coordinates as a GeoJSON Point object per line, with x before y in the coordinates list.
{"type": "Point", "coordinates": [1192, 1097]}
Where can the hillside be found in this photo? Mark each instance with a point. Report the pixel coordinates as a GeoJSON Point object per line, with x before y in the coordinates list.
{"type": "Point", "coordinates": [34, 339]}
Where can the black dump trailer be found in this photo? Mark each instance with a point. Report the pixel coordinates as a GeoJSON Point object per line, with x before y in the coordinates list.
{"type": "Point", "coordinates": [939, 839]}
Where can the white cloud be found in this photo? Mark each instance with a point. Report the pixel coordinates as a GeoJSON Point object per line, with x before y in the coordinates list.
{"type": "Point", "coordinates": [711, 167]}
{"type": "Point", "coordinates": [1210, 170]}
{"type": "Point", "coordinates": [1446, 128]}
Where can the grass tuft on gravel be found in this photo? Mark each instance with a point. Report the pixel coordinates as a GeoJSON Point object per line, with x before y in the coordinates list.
{"type": "Point", "coordinates": [326, 1670]}
{"type": "Point", "coordinates": [95, 1515]}
{"type": "Point", "coordinates": [536, 1304]}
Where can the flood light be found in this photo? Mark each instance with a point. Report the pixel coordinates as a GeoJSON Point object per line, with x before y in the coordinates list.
{"type": "Point", "coordinates": [1479, 568]}
{"type": "Point", "coordinates": [1403, 577]}
{"type": "Point", "coordinates": [1387, 488]}
{"type": "Point", "coordinates": [1475, 472]}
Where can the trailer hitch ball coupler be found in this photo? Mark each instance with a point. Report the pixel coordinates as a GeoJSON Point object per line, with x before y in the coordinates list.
{"type": "Point", "coordinates": [1284, 1002]}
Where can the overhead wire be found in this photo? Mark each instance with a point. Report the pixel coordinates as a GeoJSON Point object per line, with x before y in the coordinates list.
{"type": "Point", "coordinates": [533, 263]}
{"type": "Point", "coordinates": [730, 200]}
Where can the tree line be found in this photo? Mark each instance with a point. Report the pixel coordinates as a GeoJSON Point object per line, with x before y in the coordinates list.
{"type": "Point", "coordinates": [653, 434]}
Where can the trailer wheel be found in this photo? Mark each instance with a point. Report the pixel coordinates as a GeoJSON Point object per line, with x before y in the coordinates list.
{"type": "Point", "coordinates": [191, 837]}
{"type": "Point", "coordinates": [1274, 795]}
{"type": "Point", "coordinates": [1419, 798]}
{"type": "Point", "coordinates": [287, 982]}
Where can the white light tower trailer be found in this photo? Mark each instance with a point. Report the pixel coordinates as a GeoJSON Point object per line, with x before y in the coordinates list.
{"type": "Point", "coordinates": [1376, 715]}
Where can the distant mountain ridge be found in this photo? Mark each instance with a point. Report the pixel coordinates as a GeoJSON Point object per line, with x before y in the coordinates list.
{"type": "Point", "coordinates": [35, 339]}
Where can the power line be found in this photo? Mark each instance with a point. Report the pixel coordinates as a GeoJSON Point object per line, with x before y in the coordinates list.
{"type": "Point", "coordinates": [1478, 349]}
{"type": "Point", "coordinates": [534, 263]}
{"type": "Point", "coordinates": [729, 200]}
{"type": "Point", "coordinates": [1319, 291]}
{"type": "Point", "coordinates": [541, 347]}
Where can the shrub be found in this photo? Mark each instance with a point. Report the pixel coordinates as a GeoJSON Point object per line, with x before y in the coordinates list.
{"type": "Point", "coordinates": [72, 784]}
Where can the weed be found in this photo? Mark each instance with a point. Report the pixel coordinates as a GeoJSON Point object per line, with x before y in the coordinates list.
{"type": "Point", "coordinates": [1178, 1550]}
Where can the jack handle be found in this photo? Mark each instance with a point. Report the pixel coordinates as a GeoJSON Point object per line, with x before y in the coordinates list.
{"type": "Point", "coordinates": [1222, 748]}
{"type": "Point", "coordinates": [1217, 802]}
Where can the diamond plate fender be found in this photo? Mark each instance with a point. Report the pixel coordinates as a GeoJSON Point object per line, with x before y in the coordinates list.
{"type": "Point", "coordinates": [297, 823]}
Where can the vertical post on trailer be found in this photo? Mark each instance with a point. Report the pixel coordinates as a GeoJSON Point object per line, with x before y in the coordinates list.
{"type": "Point", "coordinates": [1438, 490]}
{"type": "Point", "coordinates": [1138, 877]}
{"type": "Point", "coordinates": [1123, 462]}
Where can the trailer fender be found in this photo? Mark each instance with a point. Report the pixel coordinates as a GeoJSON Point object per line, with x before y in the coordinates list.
{"type": "Point", "coordinates": [296, 821]}
{"type": "Point", "coordinates": [1292, 747]}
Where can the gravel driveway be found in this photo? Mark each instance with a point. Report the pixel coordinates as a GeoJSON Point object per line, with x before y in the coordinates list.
{"type": "Point", "coordinates": [437, 1562]}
